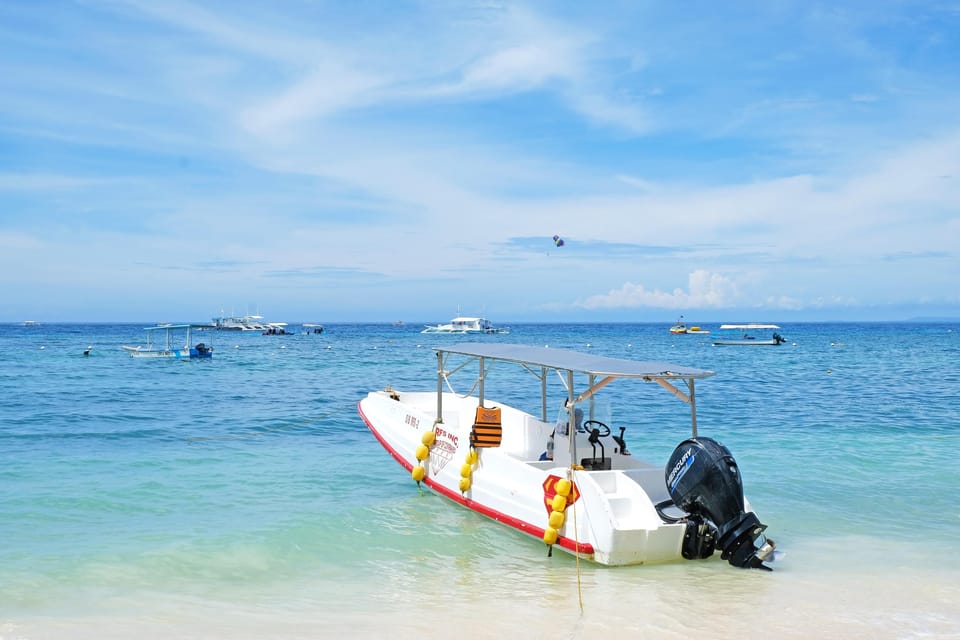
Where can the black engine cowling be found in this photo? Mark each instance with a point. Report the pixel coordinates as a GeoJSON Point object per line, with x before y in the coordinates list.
{"type": "Point", "coordinates": [704, 481]}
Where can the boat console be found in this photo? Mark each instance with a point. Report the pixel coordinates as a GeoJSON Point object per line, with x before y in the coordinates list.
{"type": "Point", "coordinates": [594, 463]}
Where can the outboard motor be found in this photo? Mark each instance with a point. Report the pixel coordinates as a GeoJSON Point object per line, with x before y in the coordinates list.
{"type": "Point", "coordinates": [703, 480]}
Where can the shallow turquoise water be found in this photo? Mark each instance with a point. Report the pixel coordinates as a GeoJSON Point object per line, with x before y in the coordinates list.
{"type": "Point", "coordinates": [144, 496]}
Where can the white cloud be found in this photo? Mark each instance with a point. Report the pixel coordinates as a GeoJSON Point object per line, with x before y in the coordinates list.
{"type": "Point", "coordinates": [418, 148]}
{"type": "Point", "coordinates": [516, 68]}
{"type": "Point", "coordinates": [323, 92]}
{"type": "Point", "coordinates": [782, 302]}
{"type": "Point", "coordinates": [604, 110]}
{"type": "Point", "coordinates": [705, 290]}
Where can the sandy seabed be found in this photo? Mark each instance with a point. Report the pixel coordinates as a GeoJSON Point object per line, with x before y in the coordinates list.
{"type": "Point", "coordinates": [845, 588]}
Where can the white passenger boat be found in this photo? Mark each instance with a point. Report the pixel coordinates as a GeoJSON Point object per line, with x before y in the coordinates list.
{"type": "Point", "coordinates": [593, 498]}
{"type": "Point", "coordinates": [170, 347]}
{"type": "Point", "coordinates": [241, 323]}
{"type": "Point", "coordinates": [465, 324]}
{"type": "Point", "coordinates": [747, 335]}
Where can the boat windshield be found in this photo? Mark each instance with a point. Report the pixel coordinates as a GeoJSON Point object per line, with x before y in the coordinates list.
{"type": "Point", "coordinates": [598, 409]}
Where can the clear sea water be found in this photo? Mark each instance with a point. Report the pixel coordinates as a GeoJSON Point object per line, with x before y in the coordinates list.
{"type": "Point", "coordinates": [243, 497]}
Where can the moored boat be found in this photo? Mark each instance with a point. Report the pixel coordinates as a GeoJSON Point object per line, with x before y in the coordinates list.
{"type": "Point", "coordinates": [276, 329]}
{"type": "Point", "coordinates": [240, 323]}
{"type": "Point", "coordinates": [465, 324]}
{"type": "Point", "coordinates": [681, 328]}
{"type": "Point", "coordinates": [172, 335]}
{"type": "Point", "coordinates": [747, 335]}
{"type": "Point", "coordinates": [571, 481]}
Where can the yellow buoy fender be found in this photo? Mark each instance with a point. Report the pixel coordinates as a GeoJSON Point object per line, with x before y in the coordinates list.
{"type": "Point", "coordinates": [464, 485]}
{"type": "Point", "coordinates": [466, 470]}
{"type": "Point", "coordinates": [422, 452]}
{"type": "Point", "coordinates": [563, 487]}
{"type": "Point", "coordinates": [559, 502]}
{"type": "Point", "coordinates": [556, 519]}
{"type": "Point", "coordinates": [428, 438]}
{"type": "Point", "coordinates": [418, 472]}
{"type": "Point", "coordinates": [550, 535]}
{"type": "Point", "coordinates": [472, 456]}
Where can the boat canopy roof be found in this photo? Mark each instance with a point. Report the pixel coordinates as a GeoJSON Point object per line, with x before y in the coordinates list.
{"type": "Point", "coordinates": [575, 361]}
{"type": "Point", "coordinates": [749, 326]}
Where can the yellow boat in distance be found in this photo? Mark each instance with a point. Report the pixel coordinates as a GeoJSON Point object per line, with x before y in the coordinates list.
{"type": "Point", "coordinates": [681, 327]}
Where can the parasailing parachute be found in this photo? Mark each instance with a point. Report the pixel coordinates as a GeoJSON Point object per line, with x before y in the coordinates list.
{"type": "Point", "coordinates": [557, 240]}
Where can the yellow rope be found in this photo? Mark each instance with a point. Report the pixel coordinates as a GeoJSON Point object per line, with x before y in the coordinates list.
{"type": "Point", "coordinates": [576, 542]}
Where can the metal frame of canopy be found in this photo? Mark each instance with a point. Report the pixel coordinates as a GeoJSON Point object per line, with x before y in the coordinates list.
{"type": "Point", "coordinates": [602, 370]}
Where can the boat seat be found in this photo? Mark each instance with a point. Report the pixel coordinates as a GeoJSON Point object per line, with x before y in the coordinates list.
{"type": "Point", "coordinates": [596, 464]}
{"type": "Point", "coordinates": [487, 429]}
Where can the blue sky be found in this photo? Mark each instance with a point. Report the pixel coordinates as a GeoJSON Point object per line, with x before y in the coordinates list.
{"type": "Point", "coordinates": [379, 161]}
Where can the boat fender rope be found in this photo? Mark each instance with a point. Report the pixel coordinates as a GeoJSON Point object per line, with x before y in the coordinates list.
{"type": "Point", "coordinates": [576, 542]}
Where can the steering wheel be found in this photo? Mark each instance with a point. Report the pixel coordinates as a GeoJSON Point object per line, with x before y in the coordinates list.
{"type": "Point", "coordinates": [602, 428]}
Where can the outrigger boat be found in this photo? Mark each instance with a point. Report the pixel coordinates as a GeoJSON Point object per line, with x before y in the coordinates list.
{"type": "Point", "coordinates": [168, 350]}
{"type": "Point", "coordinates": [593, 498]}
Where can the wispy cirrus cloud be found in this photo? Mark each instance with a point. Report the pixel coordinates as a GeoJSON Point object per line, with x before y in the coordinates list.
{"type": "Point", "coordinates": [794, 158]}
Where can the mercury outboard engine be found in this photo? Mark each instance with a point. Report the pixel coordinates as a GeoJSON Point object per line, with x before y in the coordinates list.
{"type": "Point", "coordinates": [703, 480]}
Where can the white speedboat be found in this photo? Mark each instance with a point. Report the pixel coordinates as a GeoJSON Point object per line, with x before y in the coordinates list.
{"type": "Point", "coordinates": [465, 324]}
{"type": "Point", "coordinates": [593, 498]}
{"type": "Point", "coordinates": [746, 334]}
{"type": "Point", "coordinates": [170, 347]}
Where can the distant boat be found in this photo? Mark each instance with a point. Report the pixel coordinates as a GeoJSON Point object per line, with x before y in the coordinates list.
{"type": "Point", "coordinates": [309, 327]}
{"type": "Point", "coordinates": [465, 324]}
{"type": "Point", "coordinates": [681, 328]}
{"type": "Point", "coordinates": [31, 323]}
{"type": "Point", "coordinates": [276, 329]}
{"type": "Point", "coordinates": [241, 323]}
{"type": "Point", "coordinates": [171, 339]}
{"type": "Point", "coordinates": [745, 335]}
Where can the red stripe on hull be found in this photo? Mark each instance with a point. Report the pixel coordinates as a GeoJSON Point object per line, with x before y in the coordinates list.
{"type": "Point", "coordinates": [583, 548]}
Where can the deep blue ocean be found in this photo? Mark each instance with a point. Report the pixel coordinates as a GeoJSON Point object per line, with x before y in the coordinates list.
{"type": "Point", "coordinates": [242, 496]}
